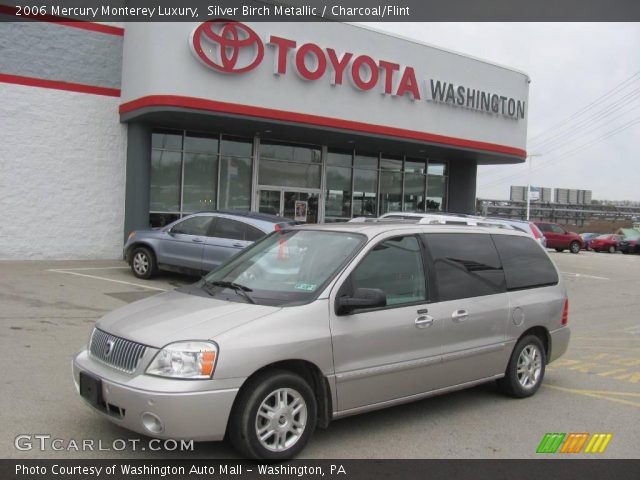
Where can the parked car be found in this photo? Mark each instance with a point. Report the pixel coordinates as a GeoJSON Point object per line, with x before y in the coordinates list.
{"type": "Point", "coordinates": [630, 242]}
{"type": "Point", "coordinates": [525, 226]}
{"type": "Point", "coordinates": [608, 243]}
{"type": "Point", "coordinates": [586, 238]}
{"type": "Point", "coordinates": [315, 323]}
{"type": "Point", "coordinates": [629, 246]}
{"type": "Point", "coordinates": [196, 243]}
{"type": "Point", "coordinates": [560, 238]}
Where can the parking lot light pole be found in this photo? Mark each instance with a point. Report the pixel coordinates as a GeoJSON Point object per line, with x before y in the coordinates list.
{"type": "Point", "coordinates": [530, 157]}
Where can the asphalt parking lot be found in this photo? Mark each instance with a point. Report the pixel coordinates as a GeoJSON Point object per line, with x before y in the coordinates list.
{"type": "Point", "coordinates": [48, 310]}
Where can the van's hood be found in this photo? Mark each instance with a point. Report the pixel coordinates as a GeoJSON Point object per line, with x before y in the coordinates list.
{"type": "Point", "coordinates": [174, 316]}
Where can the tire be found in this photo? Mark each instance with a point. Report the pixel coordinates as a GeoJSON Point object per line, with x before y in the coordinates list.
{"type": "Point", "coordinates": [529, 381]}
{"type": "Point", "coordinates": [612, 249]}
{"type": "Point", "coordinates": [560, 250]}
{"type": "Point", "coordinates": [143, 263]}
{"type": "Point", "coordinates": [264, 394]}
{"type": "Point", "coordinates": [574, 247]}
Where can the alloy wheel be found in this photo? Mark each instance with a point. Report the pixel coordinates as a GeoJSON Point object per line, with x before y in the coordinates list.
{"type": "Point", "coordinates": [281, 419]}
{"type": "Point", "coordinates": [140, 263]}
{"type": "Point", "coordinates": [529, 366]}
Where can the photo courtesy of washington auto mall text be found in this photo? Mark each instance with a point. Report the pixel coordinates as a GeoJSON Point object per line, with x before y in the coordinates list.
{"type": "Point", "coordinates": [346, 239]}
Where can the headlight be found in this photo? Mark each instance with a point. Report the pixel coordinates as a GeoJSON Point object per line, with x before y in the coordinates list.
{"type": "Point", "coordinates": [190, 360]}
{"type": "Point", "coordinates": [132, 235]}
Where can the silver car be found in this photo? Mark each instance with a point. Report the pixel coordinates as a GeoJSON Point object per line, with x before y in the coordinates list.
{"type": "Point", "coordinates": [196, 243]}
{"type": "Point", "coordinates": [316, 323]}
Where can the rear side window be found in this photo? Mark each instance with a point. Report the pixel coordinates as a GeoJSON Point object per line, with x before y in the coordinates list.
{"type": "Point", "coordinates": [525, 264]}
{"type": "Point", "coordinates": [466, 265]}
{"type": "Point", "coordinates": [227, 228]}
{"type": "Point", "coordinates": [252, 234]}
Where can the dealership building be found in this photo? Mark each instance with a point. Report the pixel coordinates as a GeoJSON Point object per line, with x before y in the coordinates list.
{"type": "Point", "coordinates": [111, 128]}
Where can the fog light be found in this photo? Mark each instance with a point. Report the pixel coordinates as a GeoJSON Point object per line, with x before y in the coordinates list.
{"type": "Point", "coordinates": [152, 423]}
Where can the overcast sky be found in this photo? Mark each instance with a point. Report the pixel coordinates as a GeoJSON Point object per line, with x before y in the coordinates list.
{"type": "Point", "coordinates": [570, 66]}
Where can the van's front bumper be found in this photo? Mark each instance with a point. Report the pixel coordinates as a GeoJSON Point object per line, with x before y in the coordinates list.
{"type": "Point", "coordinates": [189, 412]}
{"type": "Point", "coordinates": [559, 342]}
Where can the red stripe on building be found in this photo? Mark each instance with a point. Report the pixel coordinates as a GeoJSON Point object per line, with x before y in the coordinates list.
{"type": "Point", "coordinates": [57, 85]}
{"type": "Point", "coordinates": [67, 22]}
{"type": "Point", "coordinates": [303, 118]}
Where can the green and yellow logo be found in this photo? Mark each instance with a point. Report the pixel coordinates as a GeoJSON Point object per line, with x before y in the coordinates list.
{"type": "Point", "coordinates": [573, 442]}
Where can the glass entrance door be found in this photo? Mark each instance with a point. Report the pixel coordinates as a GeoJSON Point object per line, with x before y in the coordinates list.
{"type": "Point", "coordinates": [301, 206]}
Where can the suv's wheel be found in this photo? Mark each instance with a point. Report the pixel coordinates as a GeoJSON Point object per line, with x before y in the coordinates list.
{"type": "Point", "coordinates": [560, 250]}
{"type": "Point", "coordinates": [274, 416]}
{"type": "Point", "coordinates": [612, 249]}
{"type": "Point", "coordinates": [526, 368]}
{"type": "Point", "coordinates": [143, 263]}
{"type": "Point", "coordinates": [574, 247]}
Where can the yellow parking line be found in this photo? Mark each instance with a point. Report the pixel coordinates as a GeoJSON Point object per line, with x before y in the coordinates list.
{"type": "Point", "coordinates": [588, 393]}
{"type": "Point", "coordinates": [596, 347]}
{"type": "Point", "coordinates": [600, 392]}
{"type": "Point", "coordinates": [605, 338]}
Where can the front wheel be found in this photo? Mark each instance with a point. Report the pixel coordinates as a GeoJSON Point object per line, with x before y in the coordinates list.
{"type": "Point", "coordinates": [525, 371]}
{"type": "Point", "coordinates": [612, 249]}
{"type": "Point", "coordinates": [143, 263]}
{"type": "Point", "coordinates": [274, 416]}
{"type": "Point", "coordinates": [574, 247]}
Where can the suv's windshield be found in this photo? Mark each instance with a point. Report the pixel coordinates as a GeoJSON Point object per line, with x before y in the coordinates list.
{"type": "Point", "coordinates": [289, 266]}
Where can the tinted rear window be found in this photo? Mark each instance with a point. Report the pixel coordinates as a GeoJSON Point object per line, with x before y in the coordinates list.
{"type": "Point", "coordinates": [466, 265]}
{"type": "Point", "coordinates": [525, 264]}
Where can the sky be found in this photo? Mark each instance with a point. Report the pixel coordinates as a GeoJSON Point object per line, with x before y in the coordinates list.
{"type": "Point", "coordinates": [570, 65]}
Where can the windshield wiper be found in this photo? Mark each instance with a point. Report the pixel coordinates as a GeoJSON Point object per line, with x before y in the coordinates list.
{"type": "Point", "coordinates": [236, 287]}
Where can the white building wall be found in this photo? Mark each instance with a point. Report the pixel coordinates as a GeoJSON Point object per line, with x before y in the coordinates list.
{"type": "Point", "coordinates": [62, 181]}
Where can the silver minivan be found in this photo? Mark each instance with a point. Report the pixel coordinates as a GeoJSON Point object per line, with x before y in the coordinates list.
{"type": "Point", "coordinates": [315, 323]}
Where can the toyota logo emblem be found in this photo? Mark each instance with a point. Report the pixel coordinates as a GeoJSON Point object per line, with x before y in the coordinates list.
{"type": "Point", "coordinates": [227, 46]}
{"type": "Point", "coordinates": [108, 348]}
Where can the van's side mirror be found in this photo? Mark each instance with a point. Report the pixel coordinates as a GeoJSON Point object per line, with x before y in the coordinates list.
{"type": "Point", "coordinates": [362, 298]}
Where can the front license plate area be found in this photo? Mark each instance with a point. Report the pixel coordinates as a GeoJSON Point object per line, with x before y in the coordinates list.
{"type": "Point", "coordinates": [91, 390]}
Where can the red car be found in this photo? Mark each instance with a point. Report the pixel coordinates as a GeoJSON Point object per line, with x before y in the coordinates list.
{"type": "Point", "coordinates": [560, 238]}
{"type": "Point", "coordinates": [605, 242]}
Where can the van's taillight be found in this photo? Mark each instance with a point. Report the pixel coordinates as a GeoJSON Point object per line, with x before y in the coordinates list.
{"type": "Point", "coordinates": [565, 312]}
{"type": "Point", "coordinates": [536, 235]}
{"type": "Point", "coordinates": [277, 227]}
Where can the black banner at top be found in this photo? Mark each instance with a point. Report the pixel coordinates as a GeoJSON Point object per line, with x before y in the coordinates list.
{"type": "Point", "coordinates": [321, 10]}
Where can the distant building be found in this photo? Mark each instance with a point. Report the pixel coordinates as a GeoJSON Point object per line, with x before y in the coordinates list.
{"type": "Point", "coordinates": [538, 194]}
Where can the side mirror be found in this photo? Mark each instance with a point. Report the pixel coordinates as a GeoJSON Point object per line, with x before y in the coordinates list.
{"type": "Point", "coordinates": [362, 298]}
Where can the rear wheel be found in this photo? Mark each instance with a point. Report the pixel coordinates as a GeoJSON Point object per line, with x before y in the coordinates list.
{"type": "Point", "coordinates": [274, 416]}
{"type": "Point", "coordinates": [574, 247]}
{"type": "Point", "coordinates": [560, 250]}
{"type": "Point", "coordinates": [612, 249]}
{"type": "Point", "coordinates": [143, 263]}
{"type": "Point", "coordinates": [526, 367]}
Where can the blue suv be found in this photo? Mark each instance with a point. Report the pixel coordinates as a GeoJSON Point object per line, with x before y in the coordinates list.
{"type": "Point", "coordinates": [196, 243]}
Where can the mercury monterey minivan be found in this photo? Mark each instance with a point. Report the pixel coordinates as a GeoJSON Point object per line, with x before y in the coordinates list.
{"type": "Point", "coordinates": [315, 323]}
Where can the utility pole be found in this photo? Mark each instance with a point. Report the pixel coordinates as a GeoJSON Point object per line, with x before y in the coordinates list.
{"type": "Point", "coordinates": [530, 157]}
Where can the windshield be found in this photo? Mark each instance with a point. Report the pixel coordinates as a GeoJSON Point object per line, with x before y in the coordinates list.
{"type": "Point", "coordinates": [288, 266]}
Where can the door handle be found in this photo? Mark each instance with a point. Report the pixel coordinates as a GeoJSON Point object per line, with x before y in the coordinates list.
{"type": "Point", "coordinates": [459, 316]}
{"type": "Point", "coordinates": [424, 321]}
{"type": "Point", "coordinates": [196, 240]}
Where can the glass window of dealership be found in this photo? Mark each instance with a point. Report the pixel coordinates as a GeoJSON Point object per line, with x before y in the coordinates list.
{"type": "Point", "coordinates": [195, 171]}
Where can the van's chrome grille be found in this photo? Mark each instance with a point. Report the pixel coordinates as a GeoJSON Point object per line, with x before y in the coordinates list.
{"type": "Point", "coordinates": [116, 352]}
